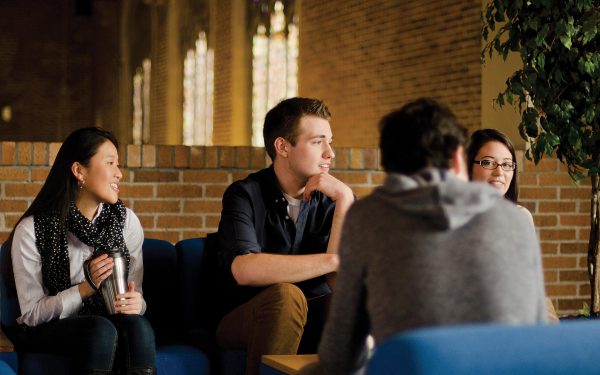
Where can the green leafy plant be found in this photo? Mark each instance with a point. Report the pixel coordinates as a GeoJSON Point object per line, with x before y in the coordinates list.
{"type": "Point", "coordinates": [557, 89]}
{"type": "Point", "coordinates": [585, 310]}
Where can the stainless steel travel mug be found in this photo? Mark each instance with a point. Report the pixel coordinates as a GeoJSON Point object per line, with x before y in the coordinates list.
{"type": "Point", "coordinates": [116, 283]}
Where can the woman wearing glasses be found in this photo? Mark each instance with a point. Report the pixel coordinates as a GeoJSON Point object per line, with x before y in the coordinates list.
{"type": "Point", "coordinates": [492, 159]}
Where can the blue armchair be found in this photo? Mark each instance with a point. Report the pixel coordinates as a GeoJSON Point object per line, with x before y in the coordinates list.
{"type": "Point", "coordinates": [566, 348]}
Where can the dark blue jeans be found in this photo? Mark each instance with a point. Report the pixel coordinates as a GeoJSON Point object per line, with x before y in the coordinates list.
{"type": "Point", "coordinates": [95, 344]}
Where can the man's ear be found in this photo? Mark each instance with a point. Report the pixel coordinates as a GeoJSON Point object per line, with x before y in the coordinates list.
{"type": "Point", "coordinates": [281, 147]}
{"type": "Point", "coordinates": [459, 164]}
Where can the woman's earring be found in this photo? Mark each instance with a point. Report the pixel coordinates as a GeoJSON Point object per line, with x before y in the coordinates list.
{"type": "Point", "coordinates": [80, 183]}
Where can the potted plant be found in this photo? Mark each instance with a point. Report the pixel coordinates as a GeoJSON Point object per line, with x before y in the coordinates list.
{"type": "Point", "coordinates": [557, 89]}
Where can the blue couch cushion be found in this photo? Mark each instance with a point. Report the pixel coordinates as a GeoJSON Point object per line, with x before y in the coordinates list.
{"type": "Point", "coordinates": [181, 360]}
{"type": "Point", "coordinates": [9, 359]}
{"type": "Point", "coordinates": [9, 308]}
{"type": "Point", "coordinates": [568, 348]}
{"type": "Point", "coordinates": [233, 362]}
{"type": "Point", "coordinates": [202, 288]}
{"type": "Point", "coordinates": [6, 369]}
{"type": "Point", "coordinates": [201, 283]}
{"type": "Point", "coordinates": [40, 363]}
{"type": "Point", "coordinates": [190, 258]}
{"type": "Point", "coordinates": [170, 360]}
{"type": "Point", "coordinates": [161, 290]}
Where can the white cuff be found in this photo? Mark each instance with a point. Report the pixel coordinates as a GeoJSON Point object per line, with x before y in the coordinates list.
{"type": "Point", "coordinates": [71, 301]}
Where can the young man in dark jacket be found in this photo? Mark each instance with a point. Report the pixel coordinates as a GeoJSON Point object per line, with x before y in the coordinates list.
{"type": "Point", "coordinates": [279, 234]}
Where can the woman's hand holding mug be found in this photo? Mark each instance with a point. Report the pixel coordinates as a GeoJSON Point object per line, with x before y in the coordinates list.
{"type": "Point", "coordinates": [129, 302]}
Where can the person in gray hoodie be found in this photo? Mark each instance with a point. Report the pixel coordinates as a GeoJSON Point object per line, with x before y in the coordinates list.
{"type": "Point", "coordinates": [428, 248]}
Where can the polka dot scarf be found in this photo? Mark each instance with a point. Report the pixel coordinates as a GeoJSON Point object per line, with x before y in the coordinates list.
{"type": "Point", "coordinates": [104, 234]}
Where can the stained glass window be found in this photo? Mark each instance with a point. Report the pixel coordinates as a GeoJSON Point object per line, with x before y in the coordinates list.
{"type": "Point", "coordinates": [274, 65]}
{"type": "Point", "coordinates": [198, 88]}
{"type": "Point", "coordinates": [141, 103]}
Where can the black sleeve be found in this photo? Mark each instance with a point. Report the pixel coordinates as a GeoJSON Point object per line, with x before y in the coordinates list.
{"type": "Point", "coordinates": [237, 233]}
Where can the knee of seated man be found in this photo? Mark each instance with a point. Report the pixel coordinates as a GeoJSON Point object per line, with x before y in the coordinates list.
{"type": "Point", "coordinates": [286, 299]}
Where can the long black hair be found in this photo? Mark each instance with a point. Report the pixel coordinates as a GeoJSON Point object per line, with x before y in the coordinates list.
{"type": "Point", "coordinates": [478, 139]}
{"type": "Point", "coordinates": [60, 187]}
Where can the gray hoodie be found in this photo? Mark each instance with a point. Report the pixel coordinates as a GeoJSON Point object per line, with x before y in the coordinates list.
{"type": "Point", "coordinates": [425, 250]}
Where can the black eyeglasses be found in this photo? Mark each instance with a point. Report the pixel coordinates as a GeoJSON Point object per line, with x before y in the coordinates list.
{"type": "Point", "coordinates": [491, 164]}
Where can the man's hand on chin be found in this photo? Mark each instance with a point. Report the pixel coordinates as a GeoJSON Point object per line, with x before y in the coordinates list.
{"type": "Point", "coordinates": [330, 186]}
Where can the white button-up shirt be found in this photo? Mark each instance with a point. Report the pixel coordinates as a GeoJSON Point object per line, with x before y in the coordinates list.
{"type": "Point", "coordinates": [36, 305]}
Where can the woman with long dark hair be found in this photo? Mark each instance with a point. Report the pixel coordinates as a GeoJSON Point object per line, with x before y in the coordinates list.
{"type": "Point", "coordinates": [492, 159]}
{"type": "Point", "coordinates": [76, 216]}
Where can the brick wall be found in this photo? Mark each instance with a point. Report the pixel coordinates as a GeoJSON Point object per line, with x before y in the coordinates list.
{"type": "Point", "coordinates": [365, 58]}
{"type": "Point", "coordinates": [561, 212]}
{"type": "Point", "coordinates": [176, 192]}
{"type": "Point", "coordinates": [45, 67]}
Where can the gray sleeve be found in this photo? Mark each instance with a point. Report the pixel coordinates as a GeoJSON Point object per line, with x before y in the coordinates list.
{"type": "Point", "coordinates": [343, 344]}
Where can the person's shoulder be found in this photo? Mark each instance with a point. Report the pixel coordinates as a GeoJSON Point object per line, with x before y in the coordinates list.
{"type": "Point", "coordinates": [252, 183]}
{"type": "Point", "coordinates": [365, 202]}
{"type": "Point", "coordinates": [251, 179]}
{"type": "Point", "coordinates": [526, 212]}
{"type": "Point", "coordinates": [27, 221]}
{"type": "Point", "coordinates": [129, 213]}
{"type": "Point", "coordinates": [132, 221]}
{"type": "Point", "coordinates": [25, 225]}
{"type": "Point", "coordinates": [24, 233]}
{"type": "Point", "coordinates": [509, 213]}
{"type": "Point", "coordinates": [505, 205]}
{"type": "Point", "coordinates": [368, 206]}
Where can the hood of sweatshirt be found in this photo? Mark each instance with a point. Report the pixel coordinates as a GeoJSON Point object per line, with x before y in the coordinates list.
{"type": "Point", "coordinates": [438, 196]}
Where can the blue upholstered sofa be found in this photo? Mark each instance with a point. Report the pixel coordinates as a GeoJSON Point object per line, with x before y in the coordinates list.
{"type": "Point", "coordinates": [567, 348]}
{"type": "Point", "coordinates": [184, 329]}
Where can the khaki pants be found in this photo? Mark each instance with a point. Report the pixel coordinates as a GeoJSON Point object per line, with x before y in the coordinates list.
{"type": "Point", "coordinates": [273, 322]}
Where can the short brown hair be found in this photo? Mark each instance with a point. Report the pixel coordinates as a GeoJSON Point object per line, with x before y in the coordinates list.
{"type": "Point", "coordinates": [423, 133]}
{"type": "Point", "coordinates": [283, 119]}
